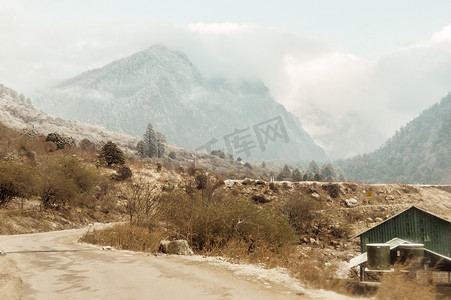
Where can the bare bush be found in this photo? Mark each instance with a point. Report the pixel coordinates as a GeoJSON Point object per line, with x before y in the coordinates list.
{"type": "Point", "coordinates": [299, 210]}
{"type": "Point", "coordinates": [141, 203]}
{"type": "Point", "coordinates": [211, 223]}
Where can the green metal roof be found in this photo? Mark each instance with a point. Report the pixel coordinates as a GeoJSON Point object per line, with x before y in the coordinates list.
{"type": "Point", "coordinates": [414, 225]}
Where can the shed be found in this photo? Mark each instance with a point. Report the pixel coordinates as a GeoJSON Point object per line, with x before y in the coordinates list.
{"type": "Point", "coordinates": [414, 225]}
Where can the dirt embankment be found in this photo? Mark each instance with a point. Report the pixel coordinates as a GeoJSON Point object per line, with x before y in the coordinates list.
{"type": "Point", "coordinates": [372, 204]}
{"type": "Point", "coordinates": [25, 216]}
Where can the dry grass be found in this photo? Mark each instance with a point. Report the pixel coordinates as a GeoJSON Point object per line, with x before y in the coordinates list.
{"type": "Point", "coordinates": [402, 286]}
{"type": "Point", "coordinates": [126, 237]}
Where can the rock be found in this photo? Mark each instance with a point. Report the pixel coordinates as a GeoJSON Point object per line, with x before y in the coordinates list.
{"type": "Point", "coordinates": [179, 247]}
{"type": "Point", "coordinates": [352, 202]}
{"type": "Point", "coordinates": [369, 220]}
{"type": "Point", "coordinates": [312, 241]}
{"type": "Point", "coordinates": [378, 220]}
{"type": "Point", "coordinates": [390, 197]}
{"type": "Point", "coordinates": [315, 195]}
{"type": "Point", "coordinates": [107, 248]}
{"type": "Point", "coordinates": [2, 253]}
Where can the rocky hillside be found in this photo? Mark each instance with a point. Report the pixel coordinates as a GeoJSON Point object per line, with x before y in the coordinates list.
{"type": "Point", "coordinates": [17, 112]}
{"type": "Point", "coordinates": [163, 87]}
{"type": "Point", "coordinates": [417, 153]}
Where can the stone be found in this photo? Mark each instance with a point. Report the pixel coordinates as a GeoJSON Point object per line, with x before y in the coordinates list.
{"type": "Point", "coordinates": [107, 248]}
{"type": "Point", "coordinates": [369, 220]}
{"type": "Point", "coordinates": [390, 197]}
{"type": "Point", "coordinates": [378, 219]}
{"type": "Point", "coordinates": [178, 247]}
{"type": "Point", "coordinates": [352, 202]}
{"type": "Point", "coordinates": [312, 241]}
{"type": "Point", "coordinates": [315, 195]}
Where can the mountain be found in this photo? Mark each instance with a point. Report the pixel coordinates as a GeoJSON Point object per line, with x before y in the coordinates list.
{"type": "Point", "coordinates": [162, 86]}
{"type": "Point", "coordinates": [420, 152]}
{"type": "Point", "coordinates": [17, 112]}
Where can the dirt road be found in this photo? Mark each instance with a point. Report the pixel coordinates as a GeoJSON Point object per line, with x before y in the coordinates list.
{"type": "Point", "coordinates": [54, 265]}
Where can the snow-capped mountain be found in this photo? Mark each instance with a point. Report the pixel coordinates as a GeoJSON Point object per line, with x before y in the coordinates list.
{"type": "Point", "coordinates": [163, 87]}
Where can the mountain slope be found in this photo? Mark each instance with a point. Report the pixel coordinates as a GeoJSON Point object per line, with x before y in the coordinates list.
{"type": "Point", "coordinates": [17, 112]}
{"type": "Point", "coordinates": [420, 152]}
{"type": "Point", "coordinates": [162, 86]}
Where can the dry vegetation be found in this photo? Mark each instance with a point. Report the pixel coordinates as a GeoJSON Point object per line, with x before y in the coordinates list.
{"type": "Point", "coordinates": [302, 226]}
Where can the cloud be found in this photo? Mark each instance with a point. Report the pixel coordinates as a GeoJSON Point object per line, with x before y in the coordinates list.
{"type": "Point", "coordinates": [348, 104]}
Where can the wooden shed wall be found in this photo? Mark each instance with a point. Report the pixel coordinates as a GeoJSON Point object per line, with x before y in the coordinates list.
{"type": "Point", "coordinates": [415, 226]}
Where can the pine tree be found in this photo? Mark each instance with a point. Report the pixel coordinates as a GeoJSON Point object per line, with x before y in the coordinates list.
{"type": "Point", "coordinates": [313, 167]}
{"type": "Point", "coordinates": [284, 174]}
{"type": "Point", "coordinates": [142, 148]}
{"type": "Point", "coordinates": [161, 142]}
{"type": "Point", "coordinates": [150, 139]}
{"type": "Point", "coordinates": [296, 176]}
{"type": "Point", "coordinates": [328, 172]}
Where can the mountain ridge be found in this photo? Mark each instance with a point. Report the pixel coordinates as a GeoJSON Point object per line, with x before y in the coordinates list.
{"type": "Point", "coordinates": [163, 87]}
{"type": "Point", "coordinates": [418, 153]}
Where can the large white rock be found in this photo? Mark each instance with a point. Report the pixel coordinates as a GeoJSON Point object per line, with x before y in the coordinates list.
{"type": "Point", "coordinates": [179, 247]}
{"type": "Point", "coordinates": [352, 202]}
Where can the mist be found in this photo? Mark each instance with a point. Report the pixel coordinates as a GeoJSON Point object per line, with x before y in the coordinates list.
{"type": "Point", "coordinates": [348, 104]}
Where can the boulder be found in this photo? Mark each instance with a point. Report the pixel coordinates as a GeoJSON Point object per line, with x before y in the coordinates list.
{"type": "Point", "coordinates": [179, 247]}
{"type": "Point", "coordinates": [352, 202]}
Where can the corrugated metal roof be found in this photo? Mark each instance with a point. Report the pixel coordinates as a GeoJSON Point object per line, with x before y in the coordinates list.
{"type": "Point", "coordinates": [434, 215]}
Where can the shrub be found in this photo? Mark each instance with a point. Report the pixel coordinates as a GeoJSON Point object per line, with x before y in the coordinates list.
{"type": "Point", "coordinates": [400, 286]}
{"type": "Point", "coordinates": [87, 145]}
{"type": "Point", "coordinates": [273, 187]}
{"type": "Point", "coordinates": [332, 189]}
{"type": "Point", "coordinates": [111, 154]}
{"type": "Point", "coordinates": [123, 173]}
{"type": "Point", "coordinates": [126, 237]}
{"type": "Point", "coordinates": [191, 170]}
{"type": "Point", "coordinates": [16, 180]}
{"type": "Point", "coordinates": [59, 140]}
{"type": "Point", "coordinates": [172, 155]}
{"type": "Point", "coordinates": [260, 199]}
{"type": "Point", "coordinates": [299, 210]}
{"type": "Point", "coordinates": [65, 180]}
{"type": "Point", "coordinates": [212, 223]}
{"type": "Point", "coordinates": [218, 153]}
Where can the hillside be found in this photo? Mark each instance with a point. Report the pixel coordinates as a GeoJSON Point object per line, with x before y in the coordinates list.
{"type": "Point", "coordinates": [17, 112]}
{"type": "Point", "coordinates": [301, 228]}
{"type": "Point", "coordinates": [163, 87]}
{"type": "Point", "coordinates": [417, 153]}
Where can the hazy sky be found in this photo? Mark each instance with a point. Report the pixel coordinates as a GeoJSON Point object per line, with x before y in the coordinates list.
{"type": "Point", "coordinates": [352, 71]}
